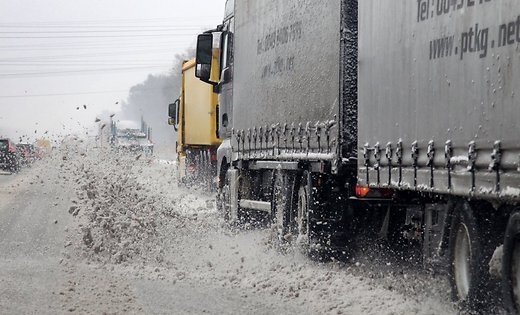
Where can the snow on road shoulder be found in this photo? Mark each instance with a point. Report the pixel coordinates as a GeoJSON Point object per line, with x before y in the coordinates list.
{"type": "Point", "coordinates": [122, 219]}
{"type": "Point", "coordinates": [134, 220]}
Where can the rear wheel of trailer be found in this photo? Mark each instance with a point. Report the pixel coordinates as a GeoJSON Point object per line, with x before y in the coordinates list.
{"type": "Point", "coordinates": [511, 264]}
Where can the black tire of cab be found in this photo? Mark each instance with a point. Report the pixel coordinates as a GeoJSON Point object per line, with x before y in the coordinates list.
{"type": "Point", "coordinates": [511, 245]}
{"type": "Point", "coordinates": [305, 226]}
{"type": "Point", "coordinates": [465, 228]}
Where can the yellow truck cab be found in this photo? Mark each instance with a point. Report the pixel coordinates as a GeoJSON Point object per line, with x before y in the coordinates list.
{"type": "Point", "coordinates": [194, 116]}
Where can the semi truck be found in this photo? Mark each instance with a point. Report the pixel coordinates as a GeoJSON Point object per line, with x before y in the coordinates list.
{"type": "Point", "coordinates": [194, 116]}
{"type": "Point", "coordinates": [342, 114]}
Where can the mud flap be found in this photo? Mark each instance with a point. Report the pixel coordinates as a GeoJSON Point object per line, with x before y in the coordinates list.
{"type": "Point", "coordinates": [435, 224]}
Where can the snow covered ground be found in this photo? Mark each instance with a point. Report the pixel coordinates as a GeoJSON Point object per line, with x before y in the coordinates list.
{"type": "Point", "coordinates": [126, 239]}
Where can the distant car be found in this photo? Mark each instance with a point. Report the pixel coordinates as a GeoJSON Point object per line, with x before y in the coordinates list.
{"type": "Point", "coordinates": [27, 153]}
{"type": "Point", "coordinates": [9, 155]}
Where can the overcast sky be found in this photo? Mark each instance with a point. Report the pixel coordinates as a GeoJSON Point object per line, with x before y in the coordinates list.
{"type": "Point", "coordinates": [58, 55]}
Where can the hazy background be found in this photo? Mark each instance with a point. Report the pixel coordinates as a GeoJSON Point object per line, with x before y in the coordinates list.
{"type": "Point", "coordinates": [64, 63]}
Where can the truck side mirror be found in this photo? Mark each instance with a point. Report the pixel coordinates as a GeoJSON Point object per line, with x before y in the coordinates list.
{"type": "Point", "coordinates": [204, 57]}
{"type": "Point", "coordinates": [173, 109]}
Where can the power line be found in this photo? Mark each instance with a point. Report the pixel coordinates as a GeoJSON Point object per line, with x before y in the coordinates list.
{"type": "Point", "coordinates": [110, 21]}
{"type": "Point", "coordinates": [98, 47]}
{"type": "Point", "coordinates": [62, 94]}
{"type": "Point", "coordinates": [94, 36]}
{"type": "Point", "coordinates": [74, 93]}
{"type": "Point", "coordinates": [85, 47]}
{"type": "Point", "coordinates": [100, 42]}
{"type": "Point", "coordinates": [68, 26]}
{"type": "Point", "coordinates": [89, 55]}
{"type": "Point", "coordinates": [85, 71]}
{"type": "Point", "coordinates": [101, 31]}
{"type": "Point", "coordinates": [91, 46]}
{"type": "Point", "coordinates": [88, 63]}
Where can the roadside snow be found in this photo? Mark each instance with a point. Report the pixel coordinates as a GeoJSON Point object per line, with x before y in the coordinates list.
{"type": "Point", "coordinates": [133, 220]}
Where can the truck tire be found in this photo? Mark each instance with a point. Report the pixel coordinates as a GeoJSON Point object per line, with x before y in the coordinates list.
{"type": "Point", "coordinates": [281, 204]}
{"type": "Point", "coordinates": [303, 213]}
{"type": "Point", "coordinates": [468, 267]}
{"type": "Point", "coordinates": [511, 265]}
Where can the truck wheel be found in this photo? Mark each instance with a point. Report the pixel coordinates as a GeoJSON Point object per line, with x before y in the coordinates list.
{"type": "Point", "coordinates": [281, 207]}
{"type": "Point", "coordinates": [468, 274]}
{"type": "Point", "coordinates": [511, 265]}
{"type": "Point", "coordinates": [305, 230]}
